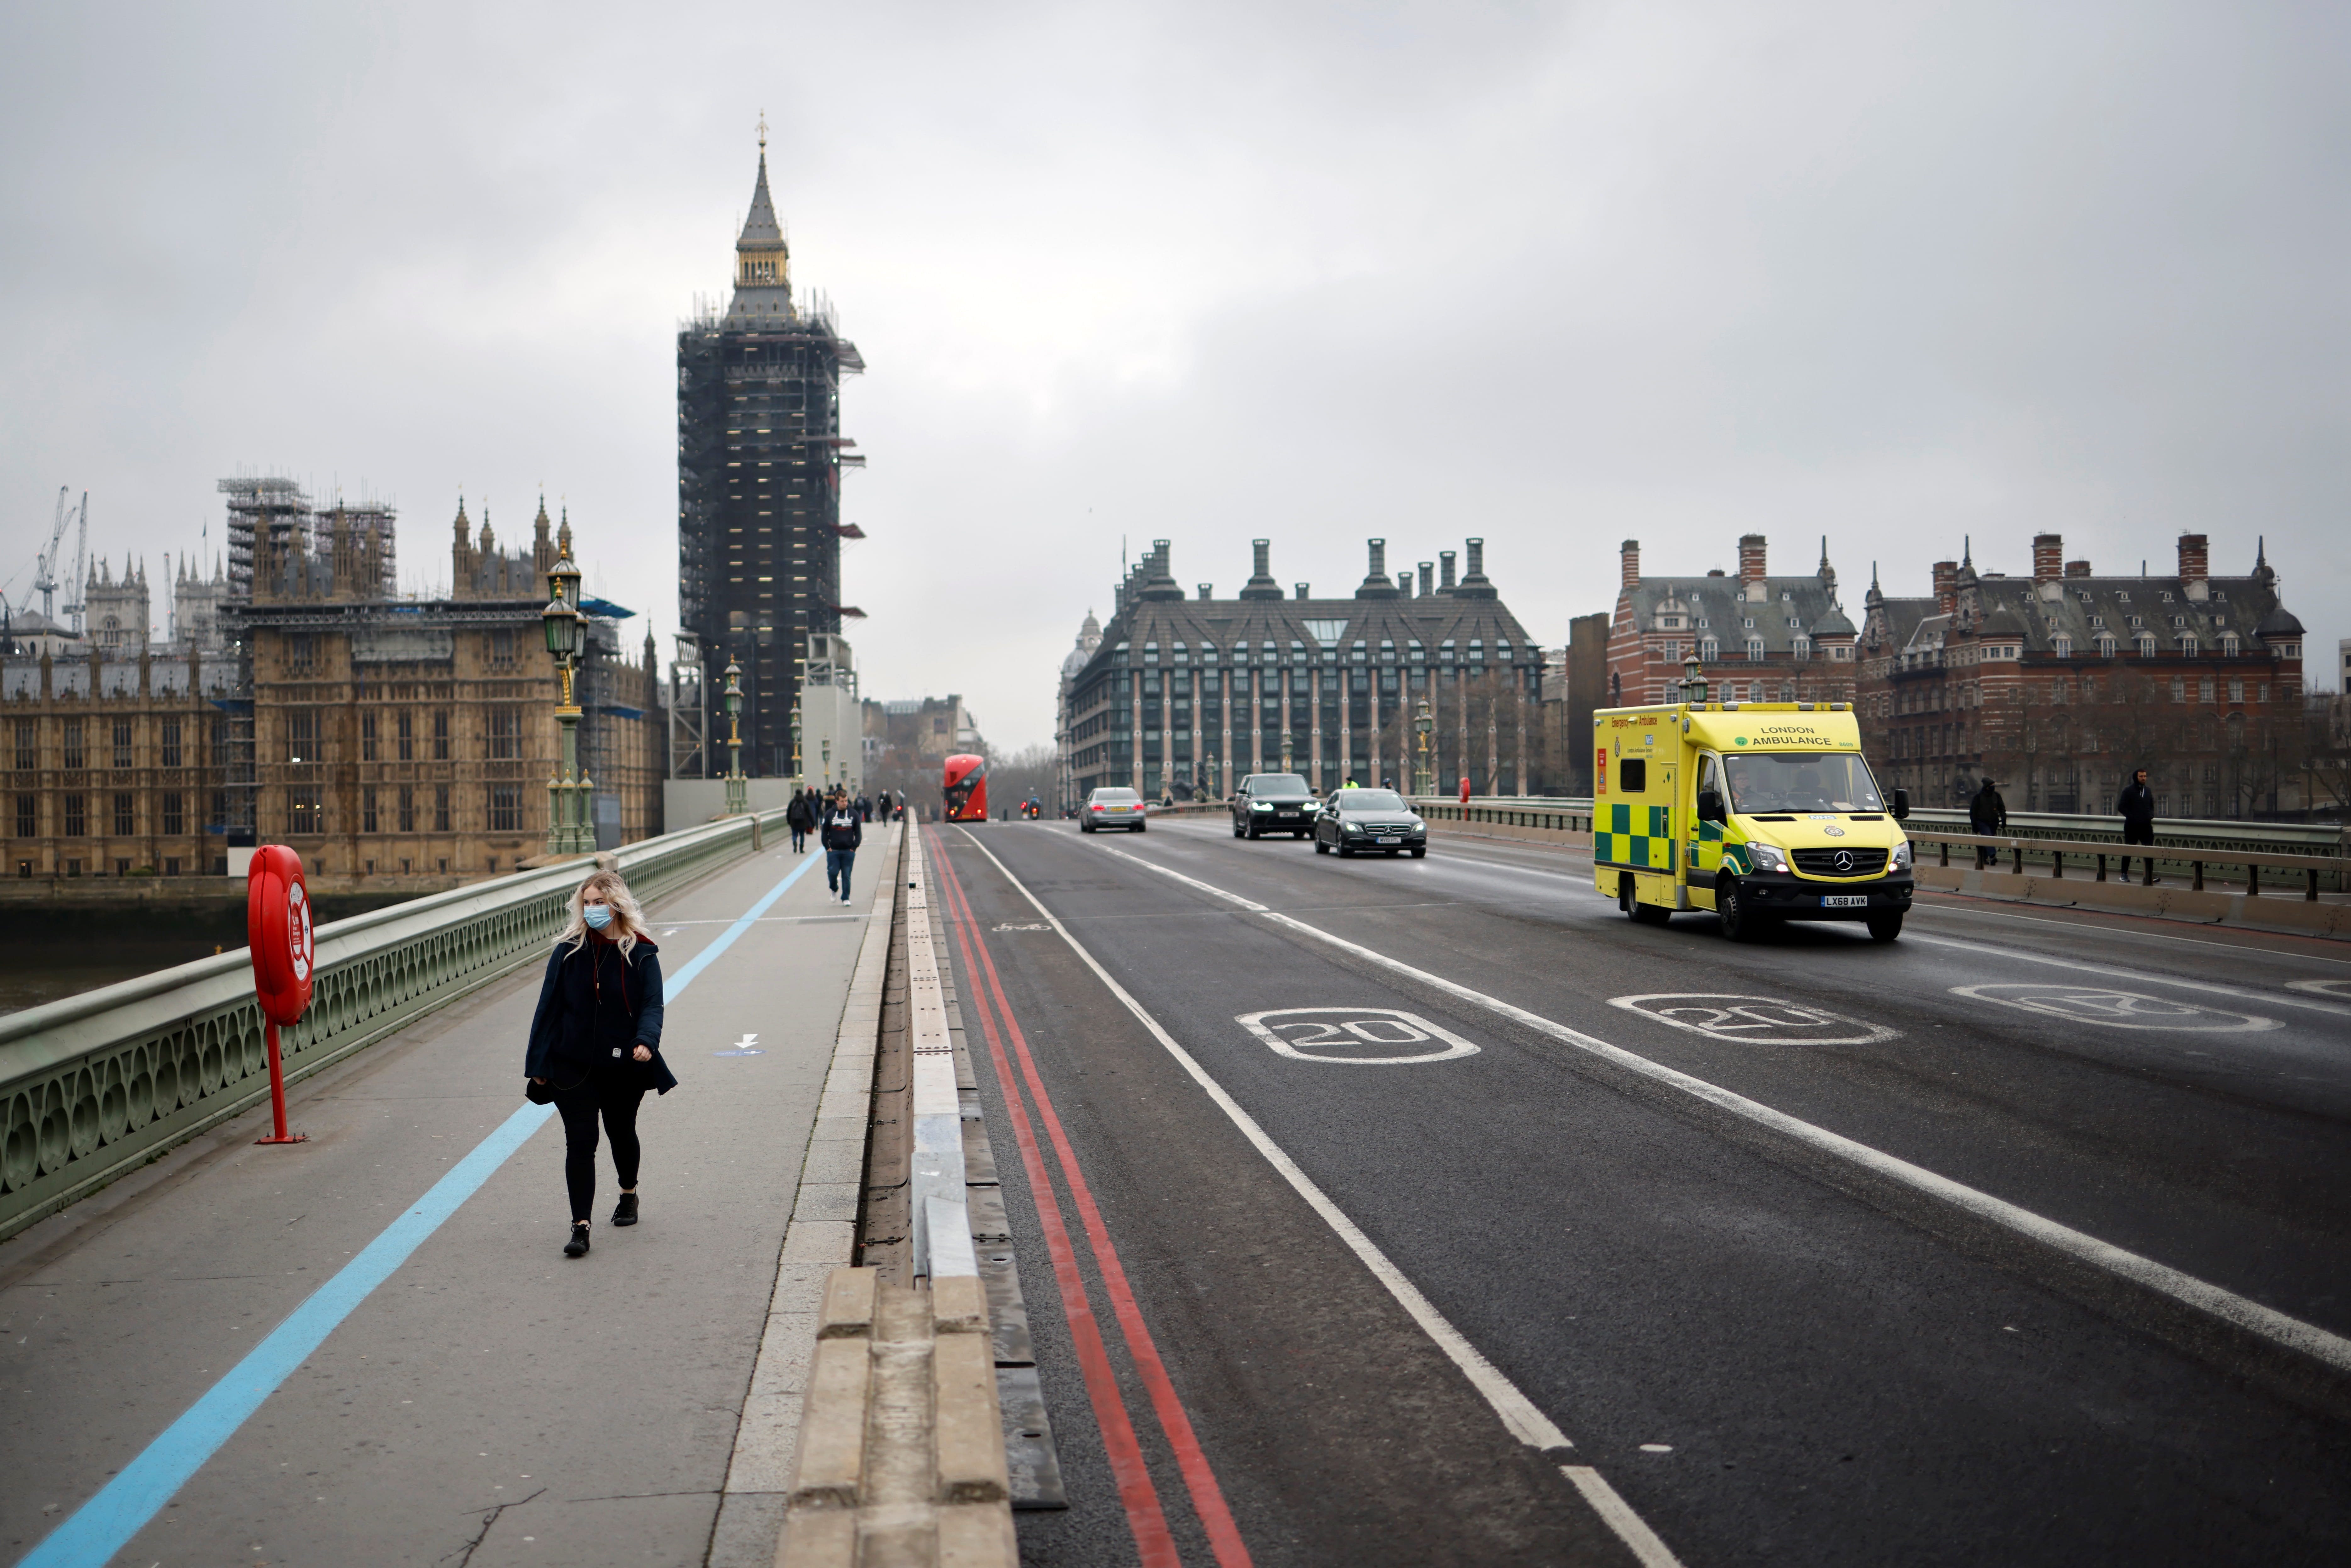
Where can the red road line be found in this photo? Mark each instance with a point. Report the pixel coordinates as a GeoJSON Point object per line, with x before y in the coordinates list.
{"type": "Point", "coordinates": [1135, 1491]}
{"type": "Point", "coordinates": [1207, 1498]}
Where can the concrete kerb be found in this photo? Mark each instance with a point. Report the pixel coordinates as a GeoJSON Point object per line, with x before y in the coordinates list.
{"type": "Point", "coordinates": [901, 1460]}
{"type": "Point", "coordinates": [820, 1237]}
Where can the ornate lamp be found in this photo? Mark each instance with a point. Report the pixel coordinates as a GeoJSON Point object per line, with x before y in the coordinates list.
{"type": "Point", "coordinates": [1693, 681]}
{"type": "Point", "coordinates": [566, 629]}
{"type": "Point", "coordinates": [737, 792]}
{"type": "Point", "coordinates": [1426, 781]}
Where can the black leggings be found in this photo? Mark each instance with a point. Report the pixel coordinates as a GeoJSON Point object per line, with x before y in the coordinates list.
{"type": "Point", "coordinates": [617, 1098]}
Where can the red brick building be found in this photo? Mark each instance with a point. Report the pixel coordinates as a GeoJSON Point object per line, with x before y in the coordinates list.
{"type": "Point", "coordinates": [2059, 683]}
{"type": "Point", "coordinates": [1760, 638]}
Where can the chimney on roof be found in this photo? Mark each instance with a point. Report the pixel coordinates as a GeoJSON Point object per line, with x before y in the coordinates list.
{"type": "Point", "coordinates": [2048, 557]}
{"type": "Point", "coordinates": [1379, 549]}
{"type": "Point", "coordinates": [1445, 571]}
{"type": "Point", "coordinates": [1751, 566]}
{"type": "Point", "coordinates": [1204, 591]}
{"type": "Point", "coordinates": [1947, 586]}
{"type": "Point", "coordinates": [2077, 569]}
{"type": "Point", "coordinates": [1260, 584]}
{"type": "Point", "coordinates": [1428, 578]}
{"type": "Point", "coordinates": [2194, 570]}
{"type": "Point", "coordinates": [1404, 583]}
{"type": "Point", "coordinates": [1301, 590]}
{"type": "Point", "coordinates": [1377, 583]}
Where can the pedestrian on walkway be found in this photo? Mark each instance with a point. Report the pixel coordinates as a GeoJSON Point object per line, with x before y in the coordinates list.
{"type": "Point", "coordinates": [842, 834]}
{"type": "Point", "coordinates": [595, 1041]}
{"type": "Point", "coordinates": [2135, 806]}
{"type": "Point", "coordinates": [796, 817]}
{"type": "Point", "coordinates": [1987, 816]}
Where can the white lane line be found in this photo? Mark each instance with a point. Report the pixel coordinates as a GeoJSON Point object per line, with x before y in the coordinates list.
{"type": "Point", "coordinates": [1518, 1414]}
{"type": "Point", "coordinates": [2267, 998]}
{"type": "Point", "coordinates": [2329, 1349]}
{"type": "Point", "coordinates": [2128, 933]}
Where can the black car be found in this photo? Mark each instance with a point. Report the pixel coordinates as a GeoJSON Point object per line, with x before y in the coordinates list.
{"type": "Point", "coordinates": [1372, 821]}
{"type": "Point", "coordinates": [1272, 804]}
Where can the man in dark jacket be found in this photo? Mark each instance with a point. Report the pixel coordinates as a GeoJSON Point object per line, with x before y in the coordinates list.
{"type": "Point", "coordinates": [796, 817]}
{"type": "Point", "coordinates": [2137, 808]}
{"type": "Point", "coordinates": [842, 834]}
{"type": "Point", "coordinates": [1987, 816]}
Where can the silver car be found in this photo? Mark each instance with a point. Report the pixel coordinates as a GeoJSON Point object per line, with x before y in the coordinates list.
{"type": "Point", "coordinates": [1112, 807]}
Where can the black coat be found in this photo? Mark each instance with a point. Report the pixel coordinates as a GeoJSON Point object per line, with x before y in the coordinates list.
{"type": "Point", "coordinates": [842, 829]}
{"type": "Point", "coordinates": [2135, 805]}
{"type": "Point", "coordinates": [595, 1006]}
{"type": "Point", "coordinates": [1987, 812]}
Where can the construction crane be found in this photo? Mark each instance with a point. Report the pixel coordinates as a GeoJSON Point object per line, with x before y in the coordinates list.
{"type": "Point", "coordinates": [44, 574]}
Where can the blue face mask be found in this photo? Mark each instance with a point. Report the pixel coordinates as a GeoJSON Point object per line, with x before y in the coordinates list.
{"type": "Point", "coordinates": [598, 915]}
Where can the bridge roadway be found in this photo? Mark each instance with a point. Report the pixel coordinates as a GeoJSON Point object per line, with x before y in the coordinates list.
{"type": "Point", "coordinates": [490, 1402]}
{"type": "Point", "coordinates": [1767, 1352]}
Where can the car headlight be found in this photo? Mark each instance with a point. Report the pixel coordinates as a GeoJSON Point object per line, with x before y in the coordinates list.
{"type": "Point", "coordinates": [1902, 855]}
{"type": "Point", "coordinates": [1767, 857]}
{"type": "Point", "coordinates": [1351, 827]}
{"type": "Point", "coordinates": [1260, 805]}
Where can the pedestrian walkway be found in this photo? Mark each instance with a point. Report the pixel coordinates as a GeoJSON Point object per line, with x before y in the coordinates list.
{"type": "Point", "coordinates": [487, 1401]}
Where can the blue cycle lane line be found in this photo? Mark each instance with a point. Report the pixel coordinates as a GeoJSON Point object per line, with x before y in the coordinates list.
{"type": "Point", "coordinates": [105, 1524]}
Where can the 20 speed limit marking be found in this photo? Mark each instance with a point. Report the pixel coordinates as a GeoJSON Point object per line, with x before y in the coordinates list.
{"type": "Point", "coordinates": [1358, 1036]}
{"type": "Point", "coordinates": [1754, 1020]}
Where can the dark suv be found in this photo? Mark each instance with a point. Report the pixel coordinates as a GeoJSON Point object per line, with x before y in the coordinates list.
{"type": "Point", "coordinates": [1273, 803]}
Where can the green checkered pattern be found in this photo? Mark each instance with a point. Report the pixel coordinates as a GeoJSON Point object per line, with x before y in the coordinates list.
{"type": "Point", "coordinates": [1640, 836]}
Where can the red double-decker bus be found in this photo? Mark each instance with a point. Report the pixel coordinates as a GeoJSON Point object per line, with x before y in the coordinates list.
{"type": "Point", "coordinates": [966, 788]}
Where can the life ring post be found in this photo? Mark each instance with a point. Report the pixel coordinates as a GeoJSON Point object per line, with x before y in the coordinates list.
{"type": "Point", "coordinates": [277, 930]}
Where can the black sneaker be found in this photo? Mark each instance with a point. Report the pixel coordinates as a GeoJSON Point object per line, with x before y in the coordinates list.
{"type": "Point", "coordinates": [625, 1212]}
{"type": "Point", "coordinates": [577, 1245]}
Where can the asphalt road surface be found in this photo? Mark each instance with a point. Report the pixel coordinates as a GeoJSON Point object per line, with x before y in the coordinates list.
{"type": "Point", "coordinates": [1395, 1211]}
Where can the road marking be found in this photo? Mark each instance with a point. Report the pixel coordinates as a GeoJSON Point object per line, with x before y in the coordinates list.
{"type": "Point", "coordinates": [743, 1047]}
{"type": "Point", "coordinates": [1754, 1020]}
{"type": "Point", "coordinates": [1191, 1462]}
{"type": "Point", "coordinates": [1518, 1414]}
{"type": "Point", "coordinates": [2320, 987]}
{"type": "Point", "coordinates": [1353, 1028]}
{"type": "Point", "coordinates": [2330, 1350]}
{"type": "Point", "coordinates": [2111, 973]}
{"type": "Point", "coordinates": [105, 1524]}
{"type": "Point", "coordinates": [2115, 1009]}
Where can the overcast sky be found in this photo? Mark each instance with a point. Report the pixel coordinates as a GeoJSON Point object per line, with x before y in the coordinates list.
{"type": "Point", "coordinates": [1556, 275]}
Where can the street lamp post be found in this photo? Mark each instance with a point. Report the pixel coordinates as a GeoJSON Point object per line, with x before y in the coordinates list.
{"type": "Point", "coordinates": [738, 791]}
{"type": "Point", "coordinates": [1693, 681]}
{"type": "Point", "coordinates": [798, 782]}
{"type": "Point", "coordinates": [566, 629]}
{"type": "Point", "coordinates": [1423, 781]}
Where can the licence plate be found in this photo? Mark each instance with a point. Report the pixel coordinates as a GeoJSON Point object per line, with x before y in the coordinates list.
{"type": "Point", "coordinates": [1387, 840]}
{"type": "Point", "coordinates": [1845, 901]}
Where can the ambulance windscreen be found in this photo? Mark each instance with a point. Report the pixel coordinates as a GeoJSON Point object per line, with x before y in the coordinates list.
{"type": "Point", "coordinates": [1800, 782]}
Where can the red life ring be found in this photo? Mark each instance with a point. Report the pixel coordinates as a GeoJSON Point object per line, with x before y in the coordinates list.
{"type": "Point", "coordinates": [277, 930]}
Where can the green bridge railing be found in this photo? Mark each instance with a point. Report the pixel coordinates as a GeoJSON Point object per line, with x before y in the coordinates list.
{"type": "Point", "coordinates": [94, 1086]}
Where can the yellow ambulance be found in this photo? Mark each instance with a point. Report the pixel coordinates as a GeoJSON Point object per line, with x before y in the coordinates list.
{"type": "Point", "coordinates": [1758, 811]}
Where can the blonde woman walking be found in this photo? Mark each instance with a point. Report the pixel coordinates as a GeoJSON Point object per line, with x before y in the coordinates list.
{"type": "Point", "coordinates": [595, 1041]}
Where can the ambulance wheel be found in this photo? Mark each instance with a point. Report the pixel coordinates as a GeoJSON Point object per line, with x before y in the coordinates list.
{"type": "Point", "coordinates": [1739, 923]}
{"type": "Point", "coordinates": [1886, 928]}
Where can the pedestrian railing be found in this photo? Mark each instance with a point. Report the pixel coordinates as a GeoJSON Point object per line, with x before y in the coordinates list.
{"type": "Point", "coordinates": [1546, 814]}
{"type": "Point", "coordinates": [93, 1086]}
{"type": "Point", "coordinates": [2309, 873]}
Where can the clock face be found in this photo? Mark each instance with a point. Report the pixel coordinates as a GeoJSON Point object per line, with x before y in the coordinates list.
{"type": "Point", "coordinates": [298, 931]}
